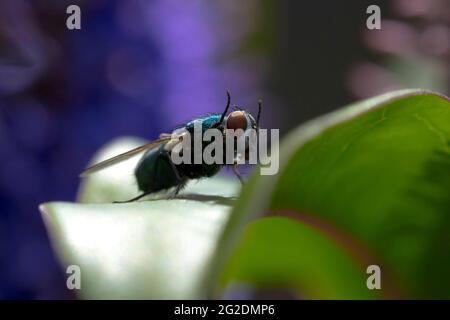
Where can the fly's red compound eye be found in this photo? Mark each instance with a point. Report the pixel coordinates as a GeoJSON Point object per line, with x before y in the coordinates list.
{"type": "Point", "coordinates": [237, 120]}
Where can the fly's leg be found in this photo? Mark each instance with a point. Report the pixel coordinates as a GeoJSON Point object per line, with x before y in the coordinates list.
{"type": "Point", "coordinates": [177, 175]}
{"type": "Point", "coordinates": [134, 199]}
{"type": "Point", "coordinates": [237, 174]}
{"type": "Point", "coordinates": [176, 191]}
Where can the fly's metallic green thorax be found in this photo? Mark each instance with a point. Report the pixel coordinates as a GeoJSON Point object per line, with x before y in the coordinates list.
{"type": "Point", "coordinates": [208, 121]}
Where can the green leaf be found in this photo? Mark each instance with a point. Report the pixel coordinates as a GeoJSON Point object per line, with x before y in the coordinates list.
{"type": "Point", "coordinates": [157, 248]}
{"type": "Point", "coordinates": [368, 184]}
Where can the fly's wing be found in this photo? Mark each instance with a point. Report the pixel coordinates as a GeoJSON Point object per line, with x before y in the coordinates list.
{"type": "Point", "coordinates": [124, 156]}
{"type": "Point", "coordinates": [165, 135]}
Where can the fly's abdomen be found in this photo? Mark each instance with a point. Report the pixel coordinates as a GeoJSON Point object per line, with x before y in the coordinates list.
{"type": "Point", "coordinates": [154, 171]}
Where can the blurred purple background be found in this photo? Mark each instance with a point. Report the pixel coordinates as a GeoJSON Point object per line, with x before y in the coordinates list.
{"type": "Point", "coordinates": [141, 67]}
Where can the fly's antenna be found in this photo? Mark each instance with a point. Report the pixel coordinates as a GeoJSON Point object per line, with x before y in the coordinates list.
{"type": "Point", "coordinates": [227, 107]}
{"type": "Point", "coordinates": [259, 112]}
